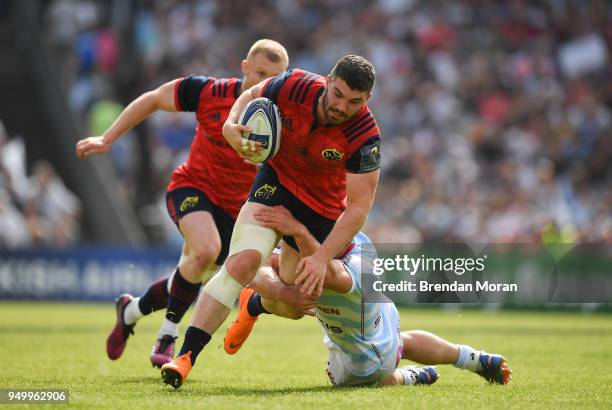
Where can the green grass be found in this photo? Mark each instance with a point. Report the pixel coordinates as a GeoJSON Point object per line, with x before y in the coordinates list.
{"type": "Point", "coordinates": [558, 360]}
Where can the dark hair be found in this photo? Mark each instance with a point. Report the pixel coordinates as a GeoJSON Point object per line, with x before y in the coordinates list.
{"type": "Point", "coordinates": [356, 71]}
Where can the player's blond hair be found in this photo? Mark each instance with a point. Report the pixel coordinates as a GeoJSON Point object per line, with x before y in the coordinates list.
{"type": "Point", "coordinates": [272, 50]}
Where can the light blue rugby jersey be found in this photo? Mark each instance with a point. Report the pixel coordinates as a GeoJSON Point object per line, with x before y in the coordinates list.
{"type": "Point", "coordinates": [367, 332]}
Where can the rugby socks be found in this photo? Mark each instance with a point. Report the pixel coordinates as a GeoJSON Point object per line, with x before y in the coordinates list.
{"type": "Point", "coordinates": [182, 295]}
{"type": "Point", "coordinates": [132, 312]}
{"type": "Point", "coordinates": [168, 328]}
{"type": "Point", "coordinates": [254, 305]}
{"type": "Point", "coordinates": [155, 298]}
{"type": "Point", "coordinates": [469, 359]}
{"type": "Point", "coordinates": [195, 340]}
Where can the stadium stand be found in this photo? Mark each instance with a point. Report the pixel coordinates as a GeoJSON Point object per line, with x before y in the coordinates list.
{"type": "Point", "coordinates": [496, 115]}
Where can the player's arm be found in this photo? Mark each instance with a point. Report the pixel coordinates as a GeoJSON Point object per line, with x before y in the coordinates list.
{"type": "Point", "coordinates": [162, 98]}
{"type": "Point", "coordinates": [232, 131]}
{"type": "Point", "coordinates": [336, 277]}
{"type": "Point", "coordinates": [361, 189]}
{"type": "Point", "coordinates": [268, 284]}
{"type": "Point", "coordinates": [280, 219]}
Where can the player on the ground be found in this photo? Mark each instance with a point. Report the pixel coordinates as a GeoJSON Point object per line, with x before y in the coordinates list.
{"type": "Point", "coordinates": [364, 340]}
{"type": "Point", "coordinates": [204, 194]}
{"type": "Point", "coordinates": [325, 173]}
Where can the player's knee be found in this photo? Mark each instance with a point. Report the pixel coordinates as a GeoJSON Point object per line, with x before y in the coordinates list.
{"type": "Point", "coordinates": [243, 265]}
{"type": "Point", "coordinates": [409, 341]}
{"type": "Point", "coordinates": [205, 254]}
{"type": "Point", "coordinates": [407, 337]}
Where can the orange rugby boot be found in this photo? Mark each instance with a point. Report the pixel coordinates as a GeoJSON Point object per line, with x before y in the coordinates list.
{"type": "Point", "coordinates": [240, 329]}
{"type": "Point", "coordinates": [175, 372]}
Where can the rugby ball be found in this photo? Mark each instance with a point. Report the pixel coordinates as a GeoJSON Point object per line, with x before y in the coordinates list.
{"type": "Point", "coordinates": [263, 117]}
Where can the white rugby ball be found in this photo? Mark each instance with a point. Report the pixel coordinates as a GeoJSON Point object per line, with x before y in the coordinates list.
{"type": "Point", "coordinates": [263, 117]}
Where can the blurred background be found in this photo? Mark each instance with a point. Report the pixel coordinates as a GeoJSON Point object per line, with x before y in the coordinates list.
{"type": "Point", "coordinates": [496, 117]}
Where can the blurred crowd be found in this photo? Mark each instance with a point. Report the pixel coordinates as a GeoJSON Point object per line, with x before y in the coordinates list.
{"type": "Point", "coordinates": [496, 115]}
{"type": "Point", "coordinates": [35, 209]}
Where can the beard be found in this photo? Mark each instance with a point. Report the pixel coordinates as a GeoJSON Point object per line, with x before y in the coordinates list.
{"type": "Point", "coordinates": [332, 116]}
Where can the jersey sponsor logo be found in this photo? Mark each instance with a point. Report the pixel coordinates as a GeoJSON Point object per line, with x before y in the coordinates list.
{"type": "Point", "coordinates": [329, 310]}
{"type": "Point", "coordinates": [370, 157]}
{"type": "Point", "coordinates": [189, 202]}
{"type": "Point", "coordinates": [332, 154]}
{"type": "Point", "coordinates": [265, 191]}
{"type": "Point", "coordinates": [215, 116]}
{"type": "Point", "coordinates": [332, 327]}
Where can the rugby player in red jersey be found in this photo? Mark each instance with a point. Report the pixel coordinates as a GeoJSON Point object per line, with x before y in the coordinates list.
{"type": "Point", "coordinates": [325, 174]}
{"type": "Point", "coordinates": [203, 197]}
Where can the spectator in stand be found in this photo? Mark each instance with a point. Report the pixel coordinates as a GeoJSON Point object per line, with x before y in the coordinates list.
{"type": "Point", "coordinates": [52, 212]}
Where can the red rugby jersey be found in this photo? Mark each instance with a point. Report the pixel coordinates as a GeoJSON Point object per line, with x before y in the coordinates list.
{"type": "Point", "coordinates": [213, 166]}
{"type": "Point", "coordinates": [312, 161]}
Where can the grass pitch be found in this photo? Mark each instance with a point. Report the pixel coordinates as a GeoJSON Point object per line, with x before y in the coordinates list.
{"type": "Point", "coordinates": [559, 360]}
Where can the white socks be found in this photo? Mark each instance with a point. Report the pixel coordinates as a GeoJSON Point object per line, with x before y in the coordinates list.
{"type": "Point", "coordinates": [132, 312]}
{"type": "Point", "coordinates": [468, 359]}
{"type": "Point", "coordinates": [168, 328]}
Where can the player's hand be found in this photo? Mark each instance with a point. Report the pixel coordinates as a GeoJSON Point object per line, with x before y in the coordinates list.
{"type": "Point", "coordinates": [303, 302]}
{"type": "Point", "coordinates": [91, 145]}
{"type": "Point", "coordinates": [279, 219]}
{"type": "Point", "coordinates": [234, 134]}
{"type": "Point", "coordinates": [311, 273]}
